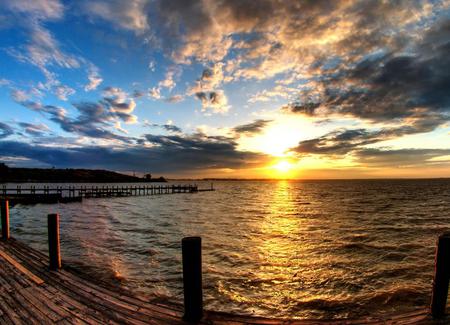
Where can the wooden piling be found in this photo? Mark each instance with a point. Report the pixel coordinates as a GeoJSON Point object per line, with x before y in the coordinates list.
{"type": "Point", "coordinates": [192, 278]}
{"type": "Point", "coordinates": [5, 219]}
{"type": "Point", "coordinates": [441, 276]}
{"type": "Point", "coordinates": [54, 249]}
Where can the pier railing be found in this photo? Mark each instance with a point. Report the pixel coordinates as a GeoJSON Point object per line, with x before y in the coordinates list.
{"type": "Point", "coordinates": [100, 191]}
{"type": "Point", "coordinates": [192, 267]}
{"type": "Point", "coordinates": [63, 194]}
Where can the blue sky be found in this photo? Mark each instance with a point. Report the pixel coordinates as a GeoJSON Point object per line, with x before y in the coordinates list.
{"type": "Point", "coordinates": [307, 89]}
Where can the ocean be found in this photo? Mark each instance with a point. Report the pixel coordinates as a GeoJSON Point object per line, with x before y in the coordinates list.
{"type": "Point", "coordinates": [297, 249]}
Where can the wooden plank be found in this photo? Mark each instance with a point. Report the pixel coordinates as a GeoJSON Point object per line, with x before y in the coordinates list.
{"type": "Point", "coordinates": [110, 306]}
{"type": "Point", "coordinates": [15, 308]}
{"type": "Point", "coordinates": [102, 292]}
{"type": "Point", "coordinates": [22, 269]}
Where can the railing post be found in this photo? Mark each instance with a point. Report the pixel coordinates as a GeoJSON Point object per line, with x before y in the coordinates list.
{"type": "Point", "coordinates": [441, 276]}
{"type": "Point", "coordinates": [192, 278]}
{"type": "Point", "coordinates": [5, 219]}
{"type": "Point", "coordinates": [54, 250]}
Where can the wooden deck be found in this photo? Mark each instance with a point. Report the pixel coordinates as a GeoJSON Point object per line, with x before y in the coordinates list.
{"type": "Point", "coordinates": [31, 294]}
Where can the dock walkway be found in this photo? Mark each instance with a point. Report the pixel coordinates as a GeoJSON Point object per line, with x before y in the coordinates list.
{"type": "Point", "coordinates": [32, 294]}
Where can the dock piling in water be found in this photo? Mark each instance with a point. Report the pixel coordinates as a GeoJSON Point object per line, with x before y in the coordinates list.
{"type": "Point", "coordinates": [192, 278]}
{"type": "Point", "coordinates": [441, 276]}
{"type": "Point", "coordinates": [54, 249]}
{"type": "Point", "coordinates": [5, 219]}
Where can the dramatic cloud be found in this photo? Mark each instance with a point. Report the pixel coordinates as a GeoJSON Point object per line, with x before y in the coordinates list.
{"type": "Point", "coordinates": [344, 141]}
{"type": "Point", "coordinates": [94, 118]}
{"type": "Point", "coordinates": [388, 85]}
{"type": "Point", "coordinates": [375, 71]}
{"type": "Point", "coordinates": [197, 152]}
{"type": "Point", "coordinates": [255, 127]}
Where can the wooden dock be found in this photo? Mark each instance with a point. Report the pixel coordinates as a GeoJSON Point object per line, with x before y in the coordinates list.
{"type": "Point", "coordinates": [61, 194]}
{"type": "Point", "coordinates": [32, 294]}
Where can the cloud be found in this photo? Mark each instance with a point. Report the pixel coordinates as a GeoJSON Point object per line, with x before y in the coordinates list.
{"type": "Point", "coordinates": [211, 78]}
{"type": "Point", "coordinates": [5, 130]}
{"type": "Point", "coordinates": [278, 91]}
{"type": "Point", "coordinates": [130, 15]}
{"type": "Point", "coordinates": [197, 152]}
{"type": "Point", "coordinates": [5, 82]}
{"type": "Point", "coordinates": [62, 92]}
{"type": "Point", "coordinates": [387, 86]}
{"type": "Point", "coordinates": [94, 78]}
{"type": "Point", "coordinates": [254, 127]}
{"type": "Point", "coordinates": [119, 104]}
{"type": "Point", "coordinates": [34, 129]}
{"type": "Point", "coordinates": [175, 99]}
{"type": "Point", "coordinates": [94, 118]}
{"type": "Point", "coordinates": [205, 89]}
{"type": "Point", "coordinates": [214, 101]}
{"type": "Point", "coordinates": [154, 93]}
{"type": "Point", "coordinates": [138, 94]}
{"type": "Point", "coordinates": [169, 80]}
{"type": "Point", "coordinates": [172, 128]}
{"type": "Point", "coordinates": [40, 9]}
{"type": "Point", "coordinates": [341, 142]}
{"type": "Point", "coordinates": [19, 95]}
{"type": "Point", "coordinates": [43, 50]}
{"type": "Point", "coordinates": [152, 65]}
{"type": "Point", "coordinates": [402, 157]}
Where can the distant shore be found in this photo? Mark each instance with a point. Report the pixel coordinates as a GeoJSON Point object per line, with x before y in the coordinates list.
{"type": "Point", "coordinates": [54, 175]}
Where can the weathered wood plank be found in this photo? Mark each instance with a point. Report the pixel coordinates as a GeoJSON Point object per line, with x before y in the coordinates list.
{"type": "Point", "coordinates": [104, 292]}
{"type": "Point", "coordinates": [22, 269]}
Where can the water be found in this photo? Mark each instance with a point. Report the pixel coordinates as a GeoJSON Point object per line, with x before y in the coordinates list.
{"type": "Point", "coordinates": [306, 249]}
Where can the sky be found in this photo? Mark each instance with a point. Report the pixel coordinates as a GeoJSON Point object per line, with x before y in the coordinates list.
{"type": "Point", "coordinates": [232, 89]}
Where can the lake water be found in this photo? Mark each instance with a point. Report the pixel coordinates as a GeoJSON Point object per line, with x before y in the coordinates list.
{"type": "Point", "coordinates": [303, 249]}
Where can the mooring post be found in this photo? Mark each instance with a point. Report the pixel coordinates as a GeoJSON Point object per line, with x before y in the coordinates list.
{"type": "Point", "coordinates": [192, 278]}
{"type": "Point", "coordinates": [54, 250]}
{"type": "Point", "coordinates": [441, 276]}
{"type": "Point", "coordinates": [5, 219]}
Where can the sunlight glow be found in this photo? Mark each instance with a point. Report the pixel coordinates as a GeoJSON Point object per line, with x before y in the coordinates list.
{"type": "Point", "coordinates": [283, 166]}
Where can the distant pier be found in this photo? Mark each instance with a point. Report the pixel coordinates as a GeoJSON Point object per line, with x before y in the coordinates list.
{"type": "Point", "coordinates": [61, 194]}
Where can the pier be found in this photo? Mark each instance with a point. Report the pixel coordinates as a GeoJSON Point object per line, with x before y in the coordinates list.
{"type": "Point", "coordinates": [40, 289]}
{"type": "Point", "coordinates": [65, 194]}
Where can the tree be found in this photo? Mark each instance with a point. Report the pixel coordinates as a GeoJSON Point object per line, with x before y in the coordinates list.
{"type": "Point", "coordinates": [148, 176]}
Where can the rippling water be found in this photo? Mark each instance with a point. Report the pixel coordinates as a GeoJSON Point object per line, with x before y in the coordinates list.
{"type": "Point", "coordinates": [322, 249]}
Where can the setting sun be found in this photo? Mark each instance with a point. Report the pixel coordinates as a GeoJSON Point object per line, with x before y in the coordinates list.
{"type": "Point", "coordinates": [283, 166]}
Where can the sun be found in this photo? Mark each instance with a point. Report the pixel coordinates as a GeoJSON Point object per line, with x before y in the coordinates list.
{"type": "Point", "coordinates": [283, 166]}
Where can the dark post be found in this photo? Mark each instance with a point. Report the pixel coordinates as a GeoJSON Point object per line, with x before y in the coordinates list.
{"type": "Point", "coordinates": [192, 278]}
{"type": "Point", "coordinates": [54, 250]}
{"type": "Point", "coordinates": [5, 219]}
{"type": "Point", "coordinates": [441, 276]}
